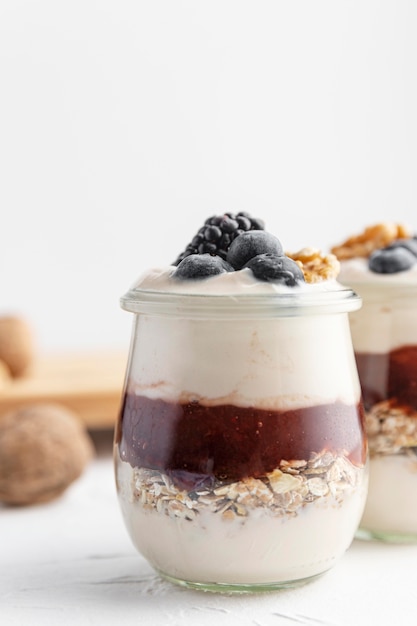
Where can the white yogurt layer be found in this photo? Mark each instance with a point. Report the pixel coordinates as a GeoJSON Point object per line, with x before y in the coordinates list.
{"type": "Point", "coordinates": [260, 548]}
{"type": "Point", "coordinates": [272, 363]}
{"type": "Point", "coordinates": [241, 282]}
{"type": "Point", "coordinates": [357, 271]}
{"type": "Point", "coordinates": [391, 506]}
{"type": "Point", "coordinates": [281, 362]}
{"type": "Point", "coordinates": [387, 319]}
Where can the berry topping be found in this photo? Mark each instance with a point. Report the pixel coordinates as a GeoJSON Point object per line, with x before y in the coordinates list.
{"type": "Point", "coordinates": [196, 266]}
{"type": "Point", "coordinates": [251, 244]}
{"type": "Point", "coordinates": [218, 233]}
{"type": "Point", "coordinates": [408, 244]}
{"type": "Point", "coordinates": [391, 260]}
{"type": "Point", "coordinates": [271, 267]}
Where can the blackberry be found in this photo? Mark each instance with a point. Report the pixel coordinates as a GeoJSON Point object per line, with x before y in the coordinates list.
{"type": "Point", "coordinates": [218, 232]}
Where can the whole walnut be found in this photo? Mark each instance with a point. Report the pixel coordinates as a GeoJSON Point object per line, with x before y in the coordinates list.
{"type": "Point", "coordinates": [43, 449]}
{"type": "Point", "coordinates": [16, 344]}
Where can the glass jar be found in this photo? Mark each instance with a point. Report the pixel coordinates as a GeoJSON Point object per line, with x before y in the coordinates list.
{"type": "Point", "coordinates": [384, 334]}
{"type": "Point", "coordinates": [240, 454]}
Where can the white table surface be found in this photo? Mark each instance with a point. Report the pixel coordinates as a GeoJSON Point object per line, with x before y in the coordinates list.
{"type": "Point", "coordinates": [72, 562]}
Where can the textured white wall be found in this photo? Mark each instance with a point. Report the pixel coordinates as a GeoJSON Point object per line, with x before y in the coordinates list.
{"type": "Point", "coordinates": [123, 124]}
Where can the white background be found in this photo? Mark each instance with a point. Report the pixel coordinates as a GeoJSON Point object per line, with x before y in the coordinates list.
{"type": "Point", "coordinates": [124, 124]}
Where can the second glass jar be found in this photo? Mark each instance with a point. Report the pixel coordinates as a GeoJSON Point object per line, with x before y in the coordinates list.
{"type": "Point", "coordinates": [384, 334]}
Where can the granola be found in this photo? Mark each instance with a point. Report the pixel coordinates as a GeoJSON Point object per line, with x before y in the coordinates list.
{"type": "Point", "coordinates": [371, 239]}
{"type": "Point", "coordinates": [391, 428]}
{"type": "Point", "coordinates": [315, 265]}
{"type": "Point", "coordinates": [283, 491]}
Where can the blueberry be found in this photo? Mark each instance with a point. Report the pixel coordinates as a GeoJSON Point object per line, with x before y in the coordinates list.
{"type": "Point", "coordinates": [250, 244]}
{"type": "Point", "coordinates": [391, 260]}
{"type": "Point", "coordinates": [197, 266]}
{"type": "Point", "coordinates": [280, 269]}
{"type": "Point", "coordinates": [408, 244]}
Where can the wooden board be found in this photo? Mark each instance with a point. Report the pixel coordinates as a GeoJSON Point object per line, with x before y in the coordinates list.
{"type": "Point", "coordinates": [89, 384]}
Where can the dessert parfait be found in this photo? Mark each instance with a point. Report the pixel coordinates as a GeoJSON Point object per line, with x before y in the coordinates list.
{"type": "Point", "coordinates": [381, 265]}
{"type": "Point", "coordinates": [240, 451]}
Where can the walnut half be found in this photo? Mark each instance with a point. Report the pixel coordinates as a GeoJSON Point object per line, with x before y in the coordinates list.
{"type": "Point", "coordinates": [316, 266]}
{"type": "Point", "coordinates": [371, 239]}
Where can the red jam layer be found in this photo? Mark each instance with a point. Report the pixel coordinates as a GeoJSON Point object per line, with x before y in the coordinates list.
{"type": "Point", "coordinates": [231, 443]}
{"type": "Point", "coordinates": [389, 376]}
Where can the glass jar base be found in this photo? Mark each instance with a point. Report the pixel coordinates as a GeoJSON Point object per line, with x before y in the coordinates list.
{"type": "Point", "coordinates": [240, 588]}
{"type": "Point", "coordinates": [364, 534]}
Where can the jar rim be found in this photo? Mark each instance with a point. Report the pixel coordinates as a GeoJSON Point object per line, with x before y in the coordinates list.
{"type": "Point", "coordinates": [167, 303]}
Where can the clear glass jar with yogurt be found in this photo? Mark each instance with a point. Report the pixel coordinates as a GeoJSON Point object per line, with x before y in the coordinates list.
{"type": "Point", "coordinates": [384, 334]}
{"type": "Point", "coordinates": [240, 453]}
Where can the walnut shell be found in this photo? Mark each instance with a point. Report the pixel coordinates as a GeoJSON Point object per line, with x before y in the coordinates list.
{"type": "Point", "coordinates": [43, 449]}
{"type": "Point", "coordinates": [16, 344]}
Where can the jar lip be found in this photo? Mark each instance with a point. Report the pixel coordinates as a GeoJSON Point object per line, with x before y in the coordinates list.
{"type": "Point", "coordinates": [293, 304]}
